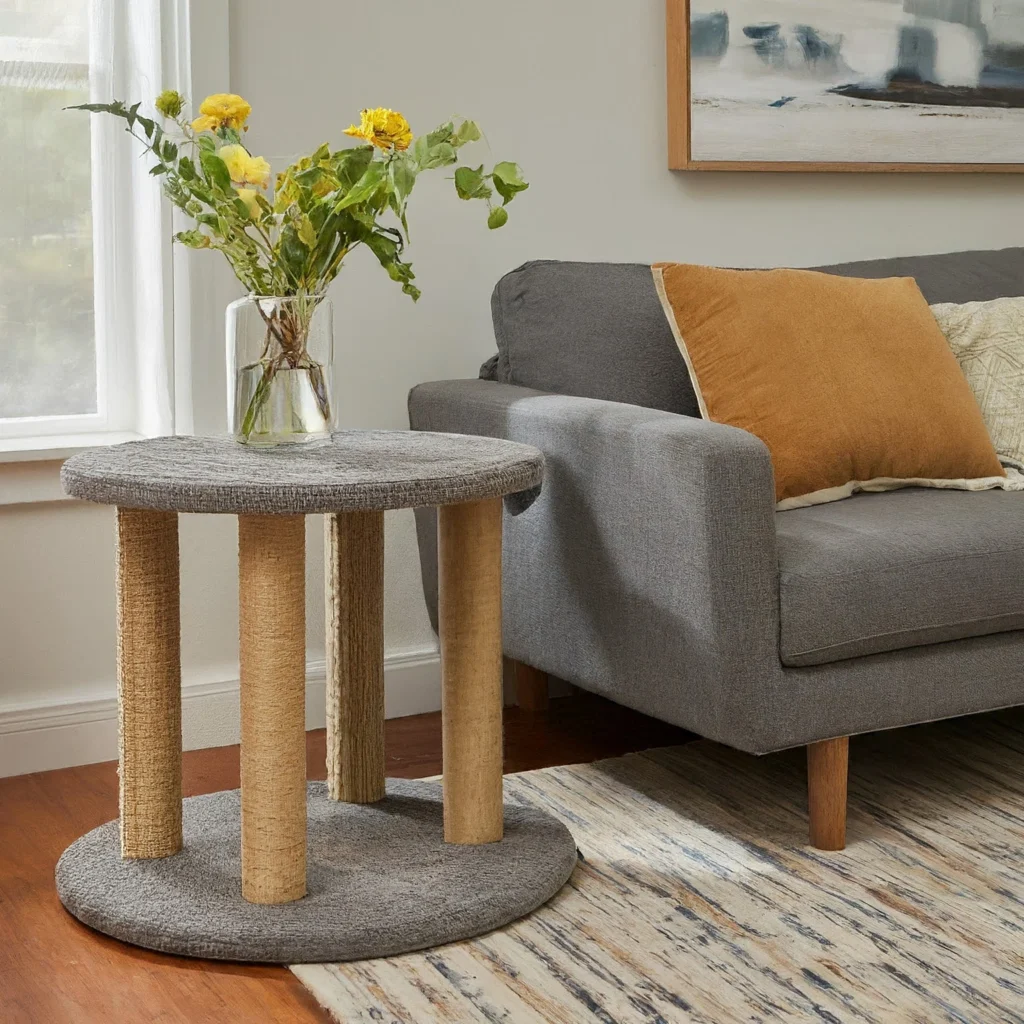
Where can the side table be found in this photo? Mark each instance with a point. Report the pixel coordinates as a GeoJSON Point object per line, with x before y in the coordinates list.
{"type": "Point", "coordinates": [351, 480]}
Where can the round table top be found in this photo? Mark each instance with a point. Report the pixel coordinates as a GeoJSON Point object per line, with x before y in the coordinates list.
{"type": "Point", "coordinates": [354, 470]}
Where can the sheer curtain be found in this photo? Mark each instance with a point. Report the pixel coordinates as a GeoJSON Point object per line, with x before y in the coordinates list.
{"type": "Point", "coordinates": [137, 48]}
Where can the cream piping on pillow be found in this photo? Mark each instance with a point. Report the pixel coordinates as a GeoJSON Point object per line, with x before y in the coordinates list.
{"type": "Point", "coordinates": [1013, 481]}
{"type": "Point", "coordinates": [670, 316]}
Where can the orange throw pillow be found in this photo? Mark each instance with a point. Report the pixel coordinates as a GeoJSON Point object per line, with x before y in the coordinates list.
{"type": "Point", "coordinates": [850, 383]}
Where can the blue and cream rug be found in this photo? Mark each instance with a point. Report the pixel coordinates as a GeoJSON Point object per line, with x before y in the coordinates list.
{"type": "Point", "coordinates": [697, 898]}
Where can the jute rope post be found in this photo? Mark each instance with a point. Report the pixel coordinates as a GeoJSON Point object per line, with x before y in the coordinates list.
{"type": "Point", "coordinates": [148, 683]}
{"type": "Point", "coordinates": [272, 656]}
{"type": "Point", "coordinates": [469, 567]}
{"type": "Point", "coordinates": [354, 576]}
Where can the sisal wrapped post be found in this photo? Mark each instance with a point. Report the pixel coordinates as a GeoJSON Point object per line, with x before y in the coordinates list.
{"type": "Point", "coordinates": [354, 575]}
{"type": "Point", "coordinates": [469, 576]}
{"type": "Point", "coordinates": [148, 683]}
{"type": "Point", "coordinates": [272, 656]}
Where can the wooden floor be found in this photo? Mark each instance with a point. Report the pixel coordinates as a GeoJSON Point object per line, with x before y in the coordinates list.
{"type": "Point", "coordinates": [55, 971]}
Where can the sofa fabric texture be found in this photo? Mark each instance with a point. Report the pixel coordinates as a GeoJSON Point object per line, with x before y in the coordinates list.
{"type": "Point", "coordinates": [648, 571]}
{"type": "Point", "coordinates": [883, 572]}
{"type": "Point", "coordinates": [848, 381]}
{"type": "Point", "coordinates": [597, 330]}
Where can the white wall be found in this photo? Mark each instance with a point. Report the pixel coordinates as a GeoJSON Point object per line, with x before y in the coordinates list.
{"type": "Point", "coordinates": [574, 90]}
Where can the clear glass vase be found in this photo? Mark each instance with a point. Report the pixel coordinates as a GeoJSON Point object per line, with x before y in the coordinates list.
{"type": "Point", "coordinates": [280, 353]}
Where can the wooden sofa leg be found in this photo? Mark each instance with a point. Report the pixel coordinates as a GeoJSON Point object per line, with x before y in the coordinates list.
{"type": "Point", "coordinates": [827, 763]}
{"type": "Point", "coordinates": [531, 686]}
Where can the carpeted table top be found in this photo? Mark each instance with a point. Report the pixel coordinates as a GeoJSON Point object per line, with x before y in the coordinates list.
{"type": "Point", "coordinates": [355, 470]}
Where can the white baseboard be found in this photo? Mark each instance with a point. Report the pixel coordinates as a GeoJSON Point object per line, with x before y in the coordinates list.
{"type": "Point", "coordinates": [39, 737]}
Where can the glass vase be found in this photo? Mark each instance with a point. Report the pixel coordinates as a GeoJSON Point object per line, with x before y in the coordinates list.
{"type": "Point", "coordinates": [280, 352]}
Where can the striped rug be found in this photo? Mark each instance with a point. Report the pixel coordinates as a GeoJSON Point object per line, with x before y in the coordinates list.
{"type": "Point", "coordinates": [697, 898]}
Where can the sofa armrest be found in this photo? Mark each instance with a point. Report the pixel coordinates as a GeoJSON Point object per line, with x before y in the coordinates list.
{"type": "Point", "coordinates": [647, 568]}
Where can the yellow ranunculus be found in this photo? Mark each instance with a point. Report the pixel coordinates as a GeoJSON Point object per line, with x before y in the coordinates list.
{"type": "Point", "coordinates": [382, 127]}
{"type": "Point", "coordinates": [222, 110]}
{"type": "Point", "coordinates": [243, 168]}
{"type": "Point", "coordinates": [248, 196]}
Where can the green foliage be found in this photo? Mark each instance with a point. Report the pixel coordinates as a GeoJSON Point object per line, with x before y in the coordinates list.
{"type": "Point", "coordinates": [324, 205]}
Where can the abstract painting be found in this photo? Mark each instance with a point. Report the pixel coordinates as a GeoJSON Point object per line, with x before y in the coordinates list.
{"type": "Point", "coordinates": [846, 84]}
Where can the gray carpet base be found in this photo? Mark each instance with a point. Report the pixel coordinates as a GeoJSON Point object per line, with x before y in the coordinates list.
{"type": "Point", "coordinates": [381, 881]}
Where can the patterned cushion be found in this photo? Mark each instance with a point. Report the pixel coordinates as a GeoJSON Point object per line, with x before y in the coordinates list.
{"type": "Point", "coordinates": [987, 339]}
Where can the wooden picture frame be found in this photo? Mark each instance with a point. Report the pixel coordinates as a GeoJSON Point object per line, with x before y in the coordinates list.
{"type": "Point", "coordinates": [677, 36]}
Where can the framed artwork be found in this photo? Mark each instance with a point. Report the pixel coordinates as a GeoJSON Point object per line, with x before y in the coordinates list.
{"type": "Point", "coordinates": [846, 85]}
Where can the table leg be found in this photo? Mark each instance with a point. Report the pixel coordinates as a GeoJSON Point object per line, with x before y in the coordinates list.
{"type": "Point", "coordinates": [272, 656]}
{"type": "Point", "coordinates": [354, 575]}
{"type": "Point", "coordinates": [469, 570]}
{"type": "Point", "coordinates": [148, 683]}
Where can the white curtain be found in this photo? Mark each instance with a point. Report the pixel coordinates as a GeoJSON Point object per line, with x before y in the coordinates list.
{"type": "Point", "coordinates": [137, 48]}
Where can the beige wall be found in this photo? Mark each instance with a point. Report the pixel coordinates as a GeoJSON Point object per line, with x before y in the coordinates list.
{"type": "Point", "coordinates": [574, 90]}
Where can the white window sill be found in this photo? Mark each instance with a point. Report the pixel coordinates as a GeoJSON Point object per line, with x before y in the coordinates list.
{"type": "Point", "coordinates": [30, 466]}
{"type": "Point", "coordinates": [58, 446]}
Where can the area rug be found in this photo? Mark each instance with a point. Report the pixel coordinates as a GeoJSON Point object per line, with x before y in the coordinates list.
{"type": "Point", "coordinates": [697, 898]}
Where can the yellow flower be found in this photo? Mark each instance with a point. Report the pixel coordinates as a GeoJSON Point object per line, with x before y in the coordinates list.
{"type": "Point", "coordinates": [222, 110]}
{"type": "Point", "coordinates": [243, 168]}
{"type": "Point", "coordinates": [248, 196]}
{"type": "Point", "coordinates": [384, 128]}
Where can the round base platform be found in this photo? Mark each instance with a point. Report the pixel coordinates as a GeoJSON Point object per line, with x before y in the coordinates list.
{"type": "Point", "coordinates": [381, 881]}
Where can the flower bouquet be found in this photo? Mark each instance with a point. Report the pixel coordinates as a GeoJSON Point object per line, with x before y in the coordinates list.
{"type": "Point", "coordinates": [286, 246]}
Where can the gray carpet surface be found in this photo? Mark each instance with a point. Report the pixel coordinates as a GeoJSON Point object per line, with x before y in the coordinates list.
{"type": "Point", "coordinates": [381, 881]}
{"type": "Point", "coordinates": [355, 469]}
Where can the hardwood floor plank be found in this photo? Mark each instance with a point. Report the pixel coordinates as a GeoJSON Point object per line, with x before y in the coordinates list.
{"type": "Point", "coordinates": [54, 970]}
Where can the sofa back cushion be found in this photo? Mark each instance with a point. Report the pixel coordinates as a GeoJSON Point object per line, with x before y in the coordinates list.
{"type": "Point", "coordinates": [597, 330]}
{"type": "Point", "coordinates": [594, 330]}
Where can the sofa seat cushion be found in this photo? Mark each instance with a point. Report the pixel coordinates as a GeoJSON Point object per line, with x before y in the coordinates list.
{"type": "Point", "coordinates": [881, 572]}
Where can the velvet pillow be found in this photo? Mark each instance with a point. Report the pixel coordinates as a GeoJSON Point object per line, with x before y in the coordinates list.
{"type": "Point", "coordinates": [849, 382]}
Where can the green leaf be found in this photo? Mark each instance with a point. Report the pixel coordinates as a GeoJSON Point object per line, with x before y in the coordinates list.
{"type": "Point", "coordinates": [186, 168]}
{"type": "Point", "coordinates": [216, 170]}
{"type": "Point", "coordinates": [309, 177]}
{"type": "Point", "coordinates": [387, 250]}
{"type": "Point", "coordinates": [293, 254]}
{"type": "Point", "coordinates": [193, 239]}
{"type": "Point", "coordinates": [497, 218]}
{"type": "Point", "coordinates": [442, 133]}
{"type": "Point", "coordinates": [307, 233]}
{"type": "Point", "coordinates": [470, 183]}
{"type": "Point", "coordinates": [351, 164]}
{"type": "Point", "coordinates": [364, 187]}
{"type": "Point", "coordinates": [403, 175]}
{"type": "Point", "coordinates": [468, 131]}
{"type": "Point", "coordinates": [159, 169]}
{"type": "Point", "coordinates": [207, 143]}
{"type": "Point", "coordinates": [117, 108]}
{"type": "Point", "coordinates": [508, 180]}
{"type": "Point", "coordinates": [169, 151]}
{"type": "Point", "coordinates": [439, 155]}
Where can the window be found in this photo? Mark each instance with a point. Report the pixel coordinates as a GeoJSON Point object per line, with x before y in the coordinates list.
{"type": "Point", "coordinates": [47, 330]}
{"type": "Point", "coordinates": [86, 272]}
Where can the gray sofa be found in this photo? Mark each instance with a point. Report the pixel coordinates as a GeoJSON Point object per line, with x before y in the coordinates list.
{"type": "Point", "coordinates": [654, 570]}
